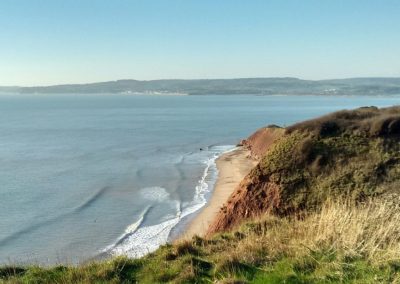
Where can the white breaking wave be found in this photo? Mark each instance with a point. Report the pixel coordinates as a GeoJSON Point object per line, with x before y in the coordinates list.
{"type": "Point", "coordinates": [145, 240]}
{"type": "Point", "coordinates": [155, 193]}
{"type": "Point", "coordinates": [128, 231]}
{"type": "Point", "coordinates": [138, 241]}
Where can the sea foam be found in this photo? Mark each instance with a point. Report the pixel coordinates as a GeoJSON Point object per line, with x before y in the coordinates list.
{"type": "Point", "coordinates": [138, 240]}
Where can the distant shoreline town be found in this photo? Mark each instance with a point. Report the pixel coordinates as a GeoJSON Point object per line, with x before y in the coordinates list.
{"type": "Point", "coordinates": [241, 86]}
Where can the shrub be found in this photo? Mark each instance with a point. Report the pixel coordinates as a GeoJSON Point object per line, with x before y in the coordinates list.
{"type": "Point", "coordinates": [369, 121]}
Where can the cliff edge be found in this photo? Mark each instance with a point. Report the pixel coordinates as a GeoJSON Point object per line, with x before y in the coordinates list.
{"type": "Point", "coordinates": [347, 153]}
{"type": "Point", "coordinates": [260, 141]}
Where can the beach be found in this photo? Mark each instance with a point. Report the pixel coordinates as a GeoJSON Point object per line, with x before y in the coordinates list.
{"type": "Point", "coordinates": [232, 167]}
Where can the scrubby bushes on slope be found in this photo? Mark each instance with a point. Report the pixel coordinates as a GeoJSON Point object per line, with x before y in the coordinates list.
{"type": "Point", "coordinates": [353, 153]}
{"type": "Point", "coordinates": [365, 121]}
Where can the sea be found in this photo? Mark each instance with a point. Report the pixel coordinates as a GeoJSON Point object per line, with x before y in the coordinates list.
{"type": "Point", "coordinates": [91, 176]}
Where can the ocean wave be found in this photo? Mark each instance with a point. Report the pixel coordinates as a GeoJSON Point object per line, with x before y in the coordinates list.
{"type": "Point", "coordinates": [138, 240]}
{"type": "Point", "coordinates": [145, 239]}
{"type": "Point", "coordinates": [33, 227]}
{"type": "Point", "coordinates": [131, 229]}
{"type": "Point", "coordinates": [205, 186]}
{"type": "Point", "coordinates": [91, 199]}
{"type": "Point", "coordinates": [29, 229]}
{"type": "Point", "coordinates": [155, 193]}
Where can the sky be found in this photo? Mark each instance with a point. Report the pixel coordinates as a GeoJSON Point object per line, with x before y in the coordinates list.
{"type": "Point", "coordinates": [46, 42]}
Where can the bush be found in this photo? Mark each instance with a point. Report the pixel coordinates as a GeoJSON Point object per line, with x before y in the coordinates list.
{"type": "Point", "coordinates": [369, 121]}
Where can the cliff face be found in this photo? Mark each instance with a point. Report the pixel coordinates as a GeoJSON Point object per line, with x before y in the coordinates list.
{"type": "Point", "coordinates": [259, 142]}
{"type": "Point", "coordinates": [353, 153]}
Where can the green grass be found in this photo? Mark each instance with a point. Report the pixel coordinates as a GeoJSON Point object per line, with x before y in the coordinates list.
{"type": "Point", "coordinates": [342, 243]}
{"type": "Point", "coordinates": [320, 271]}
{"type": "Point", "coordinates": [309, 167]}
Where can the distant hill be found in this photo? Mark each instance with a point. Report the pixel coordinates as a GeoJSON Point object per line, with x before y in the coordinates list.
{"type": "Point", "coordinates": [254, 86]}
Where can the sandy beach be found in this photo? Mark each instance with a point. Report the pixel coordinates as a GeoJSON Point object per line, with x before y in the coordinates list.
{"type": "Point", "coordinates": [232, 168]}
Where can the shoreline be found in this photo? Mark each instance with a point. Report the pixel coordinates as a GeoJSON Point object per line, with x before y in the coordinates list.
{"type": "Point", "coordinates": [232, 167]}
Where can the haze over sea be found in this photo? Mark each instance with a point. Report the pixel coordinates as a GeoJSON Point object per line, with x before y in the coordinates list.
{"type": "Point", "coordinates": [83, 175]}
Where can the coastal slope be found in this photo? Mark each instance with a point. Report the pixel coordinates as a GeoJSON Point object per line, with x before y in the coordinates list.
{"type": "Point", "coordinates": [232, 168]}
{"type": "Point", "coordinates": [322, 205]}
{"type": "Point", "coordinates": [352, 153]}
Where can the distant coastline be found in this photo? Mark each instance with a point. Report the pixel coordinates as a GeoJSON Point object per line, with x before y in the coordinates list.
{"type": "Point", "coordinates": [250, 86]}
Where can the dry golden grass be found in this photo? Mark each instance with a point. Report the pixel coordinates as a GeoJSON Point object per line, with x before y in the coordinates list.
{"type": "Point", "coordinates": [341, 243]}
{"type": "Point", "coordinates": [370, 230]}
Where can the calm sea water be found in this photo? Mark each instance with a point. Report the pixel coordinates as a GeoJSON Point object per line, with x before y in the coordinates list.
{"type": "Point", "coordinates": [81, 175]}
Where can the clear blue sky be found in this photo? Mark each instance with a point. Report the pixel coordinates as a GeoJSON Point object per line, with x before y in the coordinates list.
{"type": "Point", "coordinates": [73, 41]}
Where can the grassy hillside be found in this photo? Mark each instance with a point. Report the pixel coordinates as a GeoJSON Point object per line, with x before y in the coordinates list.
{"type": "Point", "coordinates": [343, 243]}
{"type": "Point", "coordinates": [322, 206]}
{"type": "Point", "coordinates": [348, 153]}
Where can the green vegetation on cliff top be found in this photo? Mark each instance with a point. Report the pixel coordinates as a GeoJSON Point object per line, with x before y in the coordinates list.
{"type": "Point", "coordinates": [352, 153]}
{"type": "Point", "coordinates": [336, 222]}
